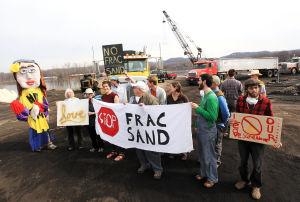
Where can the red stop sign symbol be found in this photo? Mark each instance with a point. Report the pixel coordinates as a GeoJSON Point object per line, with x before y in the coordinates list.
{"type": "Point", "coordinates": [108, 121]}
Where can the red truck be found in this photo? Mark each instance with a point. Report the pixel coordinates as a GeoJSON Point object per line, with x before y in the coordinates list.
{"type": "Point", "coordinates": [171, 75]}
{"type": "Point", "coordinates": [201, 67]}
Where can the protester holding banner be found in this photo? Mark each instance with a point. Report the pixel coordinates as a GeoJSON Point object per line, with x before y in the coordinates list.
{"type": "Point", "coordinates": [70, 97]}
{"type": "Point", "coordinates": [118, 89]}
{"type": "Point", "coordinates": [97, 142]}
{"type": "Point", "coordinates": [176, 96]}
{"type": "Point", "coordinates": [157, 91]}
{"type": "Point", "coordinates": [147, 159]}
{"type": "Point", "coordinates": [207, 114]}
{"type": "Point", "coordinates": [134, 99]}
{"type": "Point", "coordinates": [252, 103]}
{"type": "Point", "coordinates": [117, 152]}
{"type": "Point", "coordinates": [223, 116]}
{"type": "Point", "coordinates": [109, 96]}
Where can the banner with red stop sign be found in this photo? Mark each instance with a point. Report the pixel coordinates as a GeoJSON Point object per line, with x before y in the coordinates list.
{"type": "Point", "coordinates": [255, 128]}
{"type": "Point", "coordinates": [156, 128]}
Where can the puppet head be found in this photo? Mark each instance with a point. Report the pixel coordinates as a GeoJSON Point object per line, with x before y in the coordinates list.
{"type": "Point", "coordinates": [28, 74]}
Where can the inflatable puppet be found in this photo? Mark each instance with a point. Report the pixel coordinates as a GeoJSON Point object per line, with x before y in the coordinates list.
{"type": "Point", "coordinates": [31, 104]}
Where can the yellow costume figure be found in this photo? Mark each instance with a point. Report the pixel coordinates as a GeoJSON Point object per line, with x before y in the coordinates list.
{"type": "Point", "coordinates": [32, 105]}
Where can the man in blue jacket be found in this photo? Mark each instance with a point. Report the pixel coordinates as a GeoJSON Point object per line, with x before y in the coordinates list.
{"type": "Point", "coordinates": [222, 118]}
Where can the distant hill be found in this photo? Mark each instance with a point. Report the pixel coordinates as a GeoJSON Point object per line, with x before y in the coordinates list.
{"type": "Point", "coordinates": [282, 55]}
{"type": "Point", "coordinates": [177, 64]}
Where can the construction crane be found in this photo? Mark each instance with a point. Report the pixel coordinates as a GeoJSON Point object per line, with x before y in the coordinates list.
{"type": "Point", "coordinates": [182, 41]}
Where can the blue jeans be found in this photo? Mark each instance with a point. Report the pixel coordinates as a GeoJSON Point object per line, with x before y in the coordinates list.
{"type": "Point", "coordinates": [150, 158]}
{"type": "Point", "coordinates": [219, 145]}
{"type": "Point", "coordinates": [206, 137]}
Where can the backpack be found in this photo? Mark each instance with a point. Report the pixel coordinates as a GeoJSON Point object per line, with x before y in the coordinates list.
{"type": "Point", "coordinates": [220, 117]}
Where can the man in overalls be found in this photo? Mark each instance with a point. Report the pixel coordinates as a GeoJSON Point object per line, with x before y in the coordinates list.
{"type": "Point", "coordinates": [207, 114]}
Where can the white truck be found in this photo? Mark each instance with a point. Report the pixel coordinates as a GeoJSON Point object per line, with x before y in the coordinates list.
{"type": "Point", "coordinates": [267, 66]}
{"type": "Point", "coordinates": [292, 66]}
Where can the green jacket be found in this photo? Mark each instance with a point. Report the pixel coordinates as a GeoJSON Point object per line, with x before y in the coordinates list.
{"type": "Point", "coordinates": [209, 108]}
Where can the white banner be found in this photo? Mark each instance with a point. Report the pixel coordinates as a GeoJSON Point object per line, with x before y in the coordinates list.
{"type": "Point", "coordinates": [73, 112]}
{"type": "Point", "coordinates": [160, 128]}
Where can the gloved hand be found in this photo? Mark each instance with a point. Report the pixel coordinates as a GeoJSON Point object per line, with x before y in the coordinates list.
{"type": "Point", "coordinates": [17, 106]}
{"type": "Point", "coordinates": [41, 106]}
{"type": "Point", "coordinates": [35, 110]}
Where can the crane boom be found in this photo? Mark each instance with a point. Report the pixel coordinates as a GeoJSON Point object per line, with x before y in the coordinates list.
{"type": "Point", "coordinates": [180, 38]}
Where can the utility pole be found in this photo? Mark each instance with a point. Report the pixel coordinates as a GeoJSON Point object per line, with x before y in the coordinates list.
{"type": "Point", "coordinates": [160, 59]}
{"type": "Point", "coordinates": [95, 62]}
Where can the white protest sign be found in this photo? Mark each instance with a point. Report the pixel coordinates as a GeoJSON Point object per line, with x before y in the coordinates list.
{"type": "Point", "coordinates": [159, 128]}
{"type": "Point", "coordinates": [72, 112]}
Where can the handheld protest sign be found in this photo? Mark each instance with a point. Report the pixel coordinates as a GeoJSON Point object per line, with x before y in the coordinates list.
{"type": "Point", "coordinates": [155, 128]}
{"type": "Point", "coordinates": [255, 128]}
{"type": "Point", "coordinates": [72, 113]}
{"type": "Point", "coordinates": [113, 57]}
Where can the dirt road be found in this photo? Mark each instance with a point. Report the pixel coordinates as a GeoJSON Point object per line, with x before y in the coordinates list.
{"type": "Point", "coordinates": [61, 175]}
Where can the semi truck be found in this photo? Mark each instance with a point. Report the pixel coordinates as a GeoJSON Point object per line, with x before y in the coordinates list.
{"type": "Point", "coordinates": [292, 66]}
{"type": "Point", "coordinates": [268, 66]}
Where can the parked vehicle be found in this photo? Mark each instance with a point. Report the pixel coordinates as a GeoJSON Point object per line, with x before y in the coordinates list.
{"type": "Point", "coordinates": [161, 75]}
{"type": "Point", "coordinates": [89, 81]}
{"type": "Point", "coordinates": [268, 66]}
{"type": "Point", "coordinates": [171, 75]}
{"type": "Point", "coordinates": [136, 65]}
{"type": "Point", "coordinates": [292, 66]}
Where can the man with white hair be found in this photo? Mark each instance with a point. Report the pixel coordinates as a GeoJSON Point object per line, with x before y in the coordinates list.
{"type": "Point", "coordinates": [223, 116]}
{"type": "Point", "coordinates": [147, 159]}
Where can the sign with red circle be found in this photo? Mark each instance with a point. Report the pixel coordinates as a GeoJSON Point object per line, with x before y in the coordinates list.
{"type": "Point", "coordinates": [251, 125]}
{"type": "Point", "coordinates": [256, 128]}
{"type": "Point", "coordinates": [108, 121]}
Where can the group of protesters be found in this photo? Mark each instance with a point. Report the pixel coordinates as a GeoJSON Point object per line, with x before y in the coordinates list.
{"type": "Point", "coordinates": [218, 101]}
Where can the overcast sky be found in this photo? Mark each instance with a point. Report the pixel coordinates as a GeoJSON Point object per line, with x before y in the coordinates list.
{"type": "Point", "coordinates": [55, 32]}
